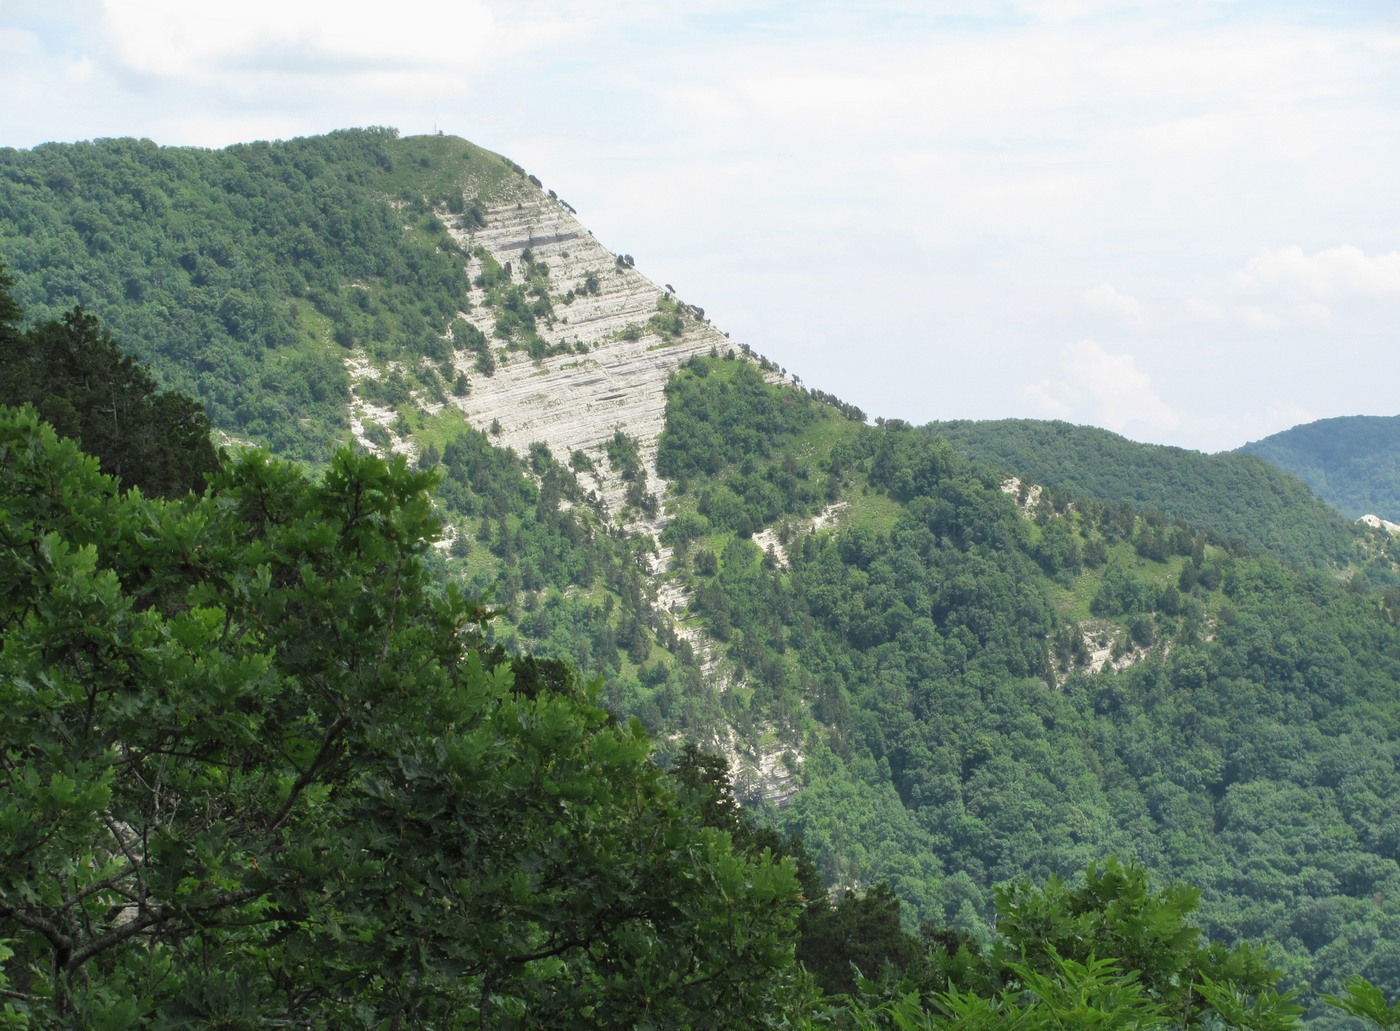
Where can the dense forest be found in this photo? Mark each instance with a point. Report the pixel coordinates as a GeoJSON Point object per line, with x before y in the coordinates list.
{"type": "Point", "coordinates": [1234, 496]}
{"type": "Point", "coordinates": [245, 274]}
{"type": "Point", "coordinates": [262, 769]}
{"type": "Point", "coordinates": [1241, 732]}
{"type": "Point", "coordinates": [1352, 462]}
{"type": "Point", "coordinates": [975, 684]}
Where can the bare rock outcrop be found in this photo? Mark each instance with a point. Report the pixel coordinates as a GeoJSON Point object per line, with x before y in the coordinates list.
{"type": "Point", "coordinates": [614, 371]}
{"type": "Point", "coordinates": [611, 339]}
{"type": "Point", "coordinates": [1377, 523]}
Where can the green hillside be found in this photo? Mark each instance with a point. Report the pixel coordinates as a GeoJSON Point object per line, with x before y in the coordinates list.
{"type": "Point", "coordinates": [1353, 462]}
{"type": "Point", "coordinates": [244, 275]}
{"type": "Point", "coordinates": [941, 637]}
{"type": "Point", "coordinates": [260, 771]}
{"type": "Point", "coordinates": [263, 768]}
{"type": "Point", "coordinates": [1232, 496]}
{"type": "Point", "coordinates": [1154, 657]}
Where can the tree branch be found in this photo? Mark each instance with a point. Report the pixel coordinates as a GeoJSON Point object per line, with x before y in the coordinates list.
{"type": "Point", "coordinates": [60, 941]}
{"type": "Point", "coordinates": [308, 775]}
{"type": "Point", "coordinates": [146, 919]}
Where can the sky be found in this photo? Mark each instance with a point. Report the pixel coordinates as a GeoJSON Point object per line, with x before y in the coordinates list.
{"type": "Point", "coordinates": [1176, 219]}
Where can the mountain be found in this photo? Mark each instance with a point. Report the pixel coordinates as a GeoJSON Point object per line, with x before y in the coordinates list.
{"type": "Point", "coordinates": [324, 742]}
{"type": "Point", "coordinates": [421, 296]}
{"type": "Point", "coordinates": [943, 668]}
{"type": "Point", "coordinates": [1352, 463]}
{"type": "Point", "coordinates": [1233, 496]}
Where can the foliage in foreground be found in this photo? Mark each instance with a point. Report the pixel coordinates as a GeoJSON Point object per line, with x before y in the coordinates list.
{"type": "Point", "coordinates": [1110, 952]}
{"type": "Point", "coordinates": [88, 389]}
{"type": "Point", "coordinates": [254, 769]}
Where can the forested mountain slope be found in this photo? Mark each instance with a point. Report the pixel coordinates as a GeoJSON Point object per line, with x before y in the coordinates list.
{"type": "Point", "coordinates": [261, 771]}
{"type": "Point", "coordinates": [301, 287]}
{"type": "Point", "coordinates": [421, 296]}
{"type": "Point", "coordinates": [1351, 462]}
{"type": "Point", "coordinates": [947, 679]}
{"type": "Point", "coordinates": [241, 275]}
{"type": "Point", "coordinates": [259, 758]}
{"type": "Point", "coordinates": [1006, 684]}
{"type": "Point", "coordinates": [1230, 495]}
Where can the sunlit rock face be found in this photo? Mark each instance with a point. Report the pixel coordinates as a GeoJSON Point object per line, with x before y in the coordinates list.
{"type": "Point", "coordinates": [610, 375]}
{"type": "Point", "coordinates": [1380, 524]}
{"type": "Point", "coordinates": [614, 373]}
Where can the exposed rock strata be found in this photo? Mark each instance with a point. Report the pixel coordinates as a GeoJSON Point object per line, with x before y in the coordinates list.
{"type": "Point", "coordinates": [576, 401]}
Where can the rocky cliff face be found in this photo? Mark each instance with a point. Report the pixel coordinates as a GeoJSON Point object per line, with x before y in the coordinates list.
{"type": "Point", "coordinates": [604, 352]}
{"type": "Point", "coordinates": [612, 367]}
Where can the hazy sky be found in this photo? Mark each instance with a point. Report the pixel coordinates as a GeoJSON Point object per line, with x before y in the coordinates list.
{"type": "Point", "coordinates": [1179, 220]}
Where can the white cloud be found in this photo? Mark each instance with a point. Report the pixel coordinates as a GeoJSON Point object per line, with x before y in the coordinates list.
{"type": "Point", "coordinates": [1206, 310]}
{"type": "Point", "coordinates": [1236, 428]}
{"type": "Point", "coordinates": [1337, 271]}
{"type": "Point", "coordinates": [1256, 317]}
{"type": "Point", "coordinates": [201, 41]}
{"type": "Point", "coordinates": [1046, 401]}
{"type": "Point", "coordinates": [1056, 10]}
{"type": "Point", "coordinates": [1282, 415]}
{"type": "Point", "coordinates": [1104, 298]}
{"type": "Point", "coordinates": [80, 71]}
{"type": "Point", "coordinates": [18, 42]}
{"type": "Point", "coordinates": [1107, 389]}
{"type": "Point", "coordinates": [819, 96]}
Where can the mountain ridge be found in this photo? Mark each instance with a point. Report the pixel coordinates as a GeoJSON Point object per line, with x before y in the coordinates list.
{"type": "Point", "coordinates": [611, 381]}
{"type": "Point", "coordinates": [1235, 496]}
{"type": "Point", "coordinates": [1349, 461]}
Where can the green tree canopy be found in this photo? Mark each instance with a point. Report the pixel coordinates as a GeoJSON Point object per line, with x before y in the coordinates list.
{"type": "Point", "coordinates": [88, 389]}
{"type": "Point", "coordinates": [254, 769]}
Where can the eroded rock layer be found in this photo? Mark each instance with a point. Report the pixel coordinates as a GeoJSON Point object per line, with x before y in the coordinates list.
{"type": "Point", "coordinates": [614, 371]}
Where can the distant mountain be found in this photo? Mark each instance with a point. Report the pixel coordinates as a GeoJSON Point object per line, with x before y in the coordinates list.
{"type": "Point", "coordinates": [1352, 462]}
{"type": "Point", "coordinates": [1236, 497]}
